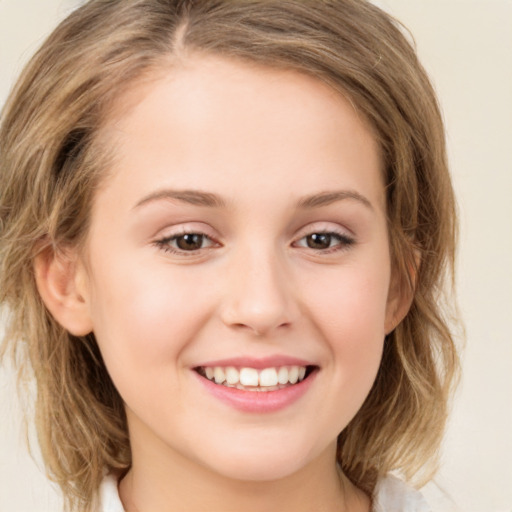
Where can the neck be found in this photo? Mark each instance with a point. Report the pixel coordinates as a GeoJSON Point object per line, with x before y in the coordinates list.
{"type": "Point", "coordinates": [166, 486]}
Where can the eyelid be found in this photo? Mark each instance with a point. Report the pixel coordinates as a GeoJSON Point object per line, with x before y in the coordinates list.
{"type": "Point", "coordinates": [345, 236]}
{"type": "Point", "coordinates": [340, 236]}
{"type": "Point", "coordinates": [162, 242]}
{"type": "Point", "coordinates": [185, 228]}
{"type": "Point", "coordinates": [325, 227]}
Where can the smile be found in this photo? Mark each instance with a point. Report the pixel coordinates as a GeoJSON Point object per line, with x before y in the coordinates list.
{"type": "Point", "coordinates": [257, 385]}
{"type": "Point", "coordinates": [252, 379]}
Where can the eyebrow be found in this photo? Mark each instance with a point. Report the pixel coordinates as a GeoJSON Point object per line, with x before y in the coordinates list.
{"type": "Point", "coordinates": [194, 197]}
{"type": "Point", "coordinates": [209, 200]}
{"type": "Point", "coordinates": [329, 197]}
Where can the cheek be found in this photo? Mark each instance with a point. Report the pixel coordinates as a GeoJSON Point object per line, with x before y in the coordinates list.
{"type": "Point", "coordinates": [143, 317]}
{"type": "Point", "coordinates": [350, 302]}
{"type": "Point", "coordinates": [349, 308]}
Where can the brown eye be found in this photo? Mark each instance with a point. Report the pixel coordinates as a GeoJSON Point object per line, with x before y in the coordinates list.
{"type": "Point", "coordinates": [325, 242]}
{"type": "Point", "coordinates": [190, 242]}
{"type": "Point", "coordinates": [319, 240]}
{"type": "Point", "coordinates": [186, 244]}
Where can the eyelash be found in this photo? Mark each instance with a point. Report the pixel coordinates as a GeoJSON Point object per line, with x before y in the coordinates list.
{"type": "Point", "coordinates": [165, 243]}
{"type": "Point", "coordinates": [343, 242]}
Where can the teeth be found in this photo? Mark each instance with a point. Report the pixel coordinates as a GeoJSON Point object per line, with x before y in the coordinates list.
{"type": "Point", "coordinates": [282, 375]}
{"type": "Point", "coordinates": [249, 377]}
{"type": "Point", "coordinates": [218, 375]}
{"type": "Point", "coordinates": [267, 379]}
{"type": "Point", "coordinates": [293, 374]}
{"type": "Point", "coordinates": [232, 375]}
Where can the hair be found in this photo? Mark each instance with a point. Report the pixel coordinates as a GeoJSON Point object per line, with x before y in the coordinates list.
{"type": "Point", "coordinates": [52, 160]}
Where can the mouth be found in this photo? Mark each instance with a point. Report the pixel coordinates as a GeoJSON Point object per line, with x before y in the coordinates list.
{"type": "Point", "coordinates": [268, 379]}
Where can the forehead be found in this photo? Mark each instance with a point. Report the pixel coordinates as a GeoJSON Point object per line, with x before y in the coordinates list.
{"type": "Point", "coordinates": [213, 122]}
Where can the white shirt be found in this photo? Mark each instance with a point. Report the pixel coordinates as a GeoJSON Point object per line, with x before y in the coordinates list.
{"type": "Point", "coordinates": [394, 495]}
{"type": "Point", "coordinates": [391, 495]}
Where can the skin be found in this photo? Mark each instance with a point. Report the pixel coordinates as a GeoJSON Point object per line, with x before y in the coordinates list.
{"type": "Point", "coordinates": [261, 140]}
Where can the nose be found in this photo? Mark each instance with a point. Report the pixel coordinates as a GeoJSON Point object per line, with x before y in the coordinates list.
{"type": "Point", "coordinates": [259, 296]}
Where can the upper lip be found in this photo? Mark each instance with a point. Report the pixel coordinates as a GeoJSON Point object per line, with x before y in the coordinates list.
{"type": "Point", "coordinates": [257, 362]}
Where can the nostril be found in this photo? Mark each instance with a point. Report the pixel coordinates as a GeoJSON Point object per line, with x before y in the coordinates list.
{"type": "Point", "coordinates": [257, 329]}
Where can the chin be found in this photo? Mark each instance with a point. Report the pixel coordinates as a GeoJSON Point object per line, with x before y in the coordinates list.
{"type": "Point", "coordinates": [259, 471]}
{"type": "Point", "coordinates": [259, 462]}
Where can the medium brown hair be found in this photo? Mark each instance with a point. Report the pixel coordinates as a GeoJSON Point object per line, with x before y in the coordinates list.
{"type": "Point", "coordinates": [52, 159]}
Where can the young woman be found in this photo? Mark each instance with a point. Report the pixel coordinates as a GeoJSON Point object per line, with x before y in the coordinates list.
{"type": "Point", "coordinates": [225, 228]}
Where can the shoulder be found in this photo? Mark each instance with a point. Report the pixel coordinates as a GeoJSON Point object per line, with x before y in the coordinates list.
{"type": "Point", "coordinates": [394, 495]}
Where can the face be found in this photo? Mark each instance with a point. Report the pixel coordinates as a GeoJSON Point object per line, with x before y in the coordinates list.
{"type": "Point", "coordinates": [237, 267]}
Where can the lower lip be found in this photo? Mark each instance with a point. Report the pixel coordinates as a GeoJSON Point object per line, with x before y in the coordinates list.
{"type": "Point", "coordinates": [258, 401]}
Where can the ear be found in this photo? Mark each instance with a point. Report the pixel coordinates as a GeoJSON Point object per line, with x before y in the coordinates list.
{"type": "Point", "coordinates": [401, 294]}
{"type": "Point", "coordinates": [61, 280]}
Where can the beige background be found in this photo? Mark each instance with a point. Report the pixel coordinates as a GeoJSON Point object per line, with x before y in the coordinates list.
{"type": "Point", "coordinates": [467, 47]}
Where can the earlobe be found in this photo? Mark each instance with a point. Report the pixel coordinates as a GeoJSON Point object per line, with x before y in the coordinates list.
{"type": "Point", "coordinates": [397, 308]}
{"type": "Point", "coordinates": [61, 282]}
